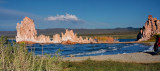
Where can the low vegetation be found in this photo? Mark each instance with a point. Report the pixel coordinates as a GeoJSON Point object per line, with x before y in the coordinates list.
{"type": "Point", "coordinates": [90, 65]}
{"type": "Point", "coordinates": [153, 38]}
{"type": "Point", "coordinates": [15, 57]}
{"type": "Point", "coordinates": [118, 36]}
{"type": "Point", "coordinates": [105, 39]}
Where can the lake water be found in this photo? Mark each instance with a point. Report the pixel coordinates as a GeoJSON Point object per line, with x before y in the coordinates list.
{"type": "Point", "coordinates": [79, 50]}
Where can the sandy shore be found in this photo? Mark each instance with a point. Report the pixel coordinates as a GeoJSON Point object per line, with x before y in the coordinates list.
{"type": "Point", "coordinates": [130, 58]}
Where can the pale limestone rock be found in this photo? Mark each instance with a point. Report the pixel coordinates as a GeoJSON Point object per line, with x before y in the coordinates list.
{"type": "Point", "coordinates": [70, 36]}
{"type": "Point", "coordinates": [57, 38]}
{"type": "Point", "coordinates": [26, 30]}
{"type": "Point", "coordinates": [152, 27]}
{"type": "Point", "coordinates": [43, 39]}
{"type": "Point", "coordinates": [92, 40]}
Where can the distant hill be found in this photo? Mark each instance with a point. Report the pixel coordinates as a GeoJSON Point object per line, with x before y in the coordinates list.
{"type": "Point", "coordinates": [116, 31]}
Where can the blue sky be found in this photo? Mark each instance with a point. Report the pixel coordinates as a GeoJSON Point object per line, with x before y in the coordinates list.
{"type": "Point", "coordinates": [91, 14]}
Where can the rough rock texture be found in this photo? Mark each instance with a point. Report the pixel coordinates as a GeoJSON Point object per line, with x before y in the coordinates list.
{"type": "Point", "coordinates": [26, 32]}
{"type": "Point", "coordinates": [57, 38]}
{"type": "Point", "coordinates": [43, 39]}
{"type": "Point", "coordinates": [152, 27]}
{"type": "Point", "coordinates": [70, 36]}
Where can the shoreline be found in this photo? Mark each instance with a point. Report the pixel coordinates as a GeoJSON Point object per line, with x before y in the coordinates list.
{"type": "Point", "coordinates": [30, 42]}
{"type": "Point", "coordinates": [139, 57]}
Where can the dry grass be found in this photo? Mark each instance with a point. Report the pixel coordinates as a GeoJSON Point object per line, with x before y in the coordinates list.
{"type": "Point", "coordinates": [16, 57]}
{"type": "Point", "coordinates": [105, 39]}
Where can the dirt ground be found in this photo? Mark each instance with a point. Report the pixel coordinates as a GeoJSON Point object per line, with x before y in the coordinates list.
{"type": "Point", "coordinates": [130, 58]}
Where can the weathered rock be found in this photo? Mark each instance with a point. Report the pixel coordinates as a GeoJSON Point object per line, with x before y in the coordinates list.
{"type": "Point", "coordinates": [26, 30]}
{"type": "Point", "coordinates": [69, 35]}
{"type": "Point", "coordinates": [43, 39]}
{"type": "Point", "coordinates": [57, 38]}
{"type": "Point", "coordinates": [152, 27]}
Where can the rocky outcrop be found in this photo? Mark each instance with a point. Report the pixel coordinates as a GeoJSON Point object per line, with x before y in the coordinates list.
{"type": "Point", "coordinates": [26, 32]}
{"type": "Point", "coordinates": [57, 38]}
{"type": "Point", "coordinates": [152, 27]}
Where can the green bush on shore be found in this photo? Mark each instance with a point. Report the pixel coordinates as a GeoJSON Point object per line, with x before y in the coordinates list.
{"type": "Point", "coordinates": [16, 57]}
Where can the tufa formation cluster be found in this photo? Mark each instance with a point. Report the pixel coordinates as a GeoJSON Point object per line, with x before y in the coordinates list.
{"type": "Point", "coordinates": [152, 27]}
{"type": "Point", "coordinates": [26, 32]}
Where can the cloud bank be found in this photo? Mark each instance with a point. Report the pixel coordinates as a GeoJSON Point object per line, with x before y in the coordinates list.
{"type": "Point", "coordinates": [67, 17]}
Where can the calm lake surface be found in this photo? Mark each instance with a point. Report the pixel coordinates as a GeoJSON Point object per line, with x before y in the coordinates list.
{"type": "Point", "coordinates": [79, 50]}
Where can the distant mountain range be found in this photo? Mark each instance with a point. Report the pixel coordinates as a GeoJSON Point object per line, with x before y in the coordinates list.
{"type": "Point", "coordinates": [116, 31]}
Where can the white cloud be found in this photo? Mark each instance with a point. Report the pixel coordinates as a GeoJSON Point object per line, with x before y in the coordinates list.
{"type": "Point", "coordinates": [67, 17]}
